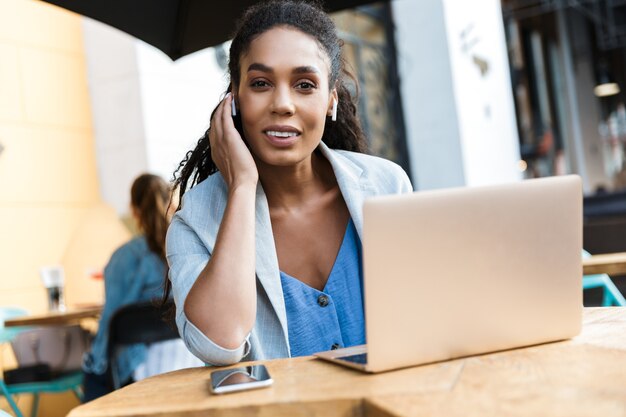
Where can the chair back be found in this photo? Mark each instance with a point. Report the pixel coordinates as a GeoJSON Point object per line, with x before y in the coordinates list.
{"type": "Point", "coordinates": [611, 294]}
{"type": "Point", "coordinates": [137, 323]}
{"type": "Point", "coordinates": [71, 382]}
{"type": "Point", "coordinates": [140, 323]}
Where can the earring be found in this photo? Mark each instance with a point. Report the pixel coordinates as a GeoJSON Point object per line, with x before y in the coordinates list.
{"type": "Point", "coordinates": [334, 114]}
{"type": "Point", "coordinates": [233, 108]}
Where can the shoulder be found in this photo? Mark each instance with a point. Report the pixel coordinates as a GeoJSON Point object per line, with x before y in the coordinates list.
{"type": "Point", "coordinates": [383, 174]}
{"type": "Point", "coordinates": [133, 264]}
{"type": "Point", "coordinates": [125, 258]}
{"type": "Point", "coordinates": [370, 164]}
{"type": "Point", "coordinates": [211, 191]}
{"type": "Point", "coordinates": [134, 248]}
{"type": "Point", "coordinates": [201, 213]}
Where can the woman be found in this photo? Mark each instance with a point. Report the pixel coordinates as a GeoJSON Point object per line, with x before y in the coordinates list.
{"type": "Point", "coordinates": [264, 254]}
{"type": "Point", "coordinates": [134, 273]}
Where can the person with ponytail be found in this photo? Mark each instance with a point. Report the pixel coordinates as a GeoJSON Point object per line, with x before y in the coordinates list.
{"type": "Point", "coordinates": [264, 251]}
{"type": "Point", "coordinates": [133, 274]}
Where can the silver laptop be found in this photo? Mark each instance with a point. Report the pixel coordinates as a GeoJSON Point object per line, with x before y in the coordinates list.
{"type": "Point", "coordinates": [459, 272]}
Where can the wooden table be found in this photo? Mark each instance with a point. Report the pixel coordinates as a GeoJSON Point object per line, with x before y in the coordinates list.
{"type": "Point", "coordinates": [56, 318]}
{"type": "Point", "coordinates": [585, 376]}
{"type": "Point", "coordinates": [608, 263]}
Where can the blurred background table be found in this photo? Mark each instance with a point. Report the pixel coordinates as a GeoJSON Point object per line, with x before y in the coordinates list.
{"type": "Point", "coordinates": [72, 315]}
{"type": "Point", "coordinates": [608, 263]}
{"type": "Point", "coordinates": [583, 376]}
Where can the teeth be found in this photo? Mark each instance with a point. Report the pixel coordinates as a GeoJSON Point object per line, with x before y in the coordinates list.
{"type": "Point", "coordinates": [281, 134]}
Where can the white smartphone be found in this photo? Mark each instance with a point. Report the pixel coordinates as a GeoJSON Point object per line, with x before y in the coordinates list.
{"type": "Point", "coordinates": [240, 379]}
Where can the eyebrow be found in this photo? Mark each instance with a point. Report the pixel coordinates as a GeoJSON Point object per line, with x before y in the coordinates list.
{"type": "Point", "coordinates": [308, 69]}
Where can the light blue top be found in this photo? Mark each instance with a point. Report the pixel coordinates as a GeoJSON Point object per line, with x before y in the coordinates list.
{"type": "Point", "coordinates": [333, 318]}
{"type": "Point", "coordinates": [193, 231]}
{"type": "Point", "coordinates": [134, 274]}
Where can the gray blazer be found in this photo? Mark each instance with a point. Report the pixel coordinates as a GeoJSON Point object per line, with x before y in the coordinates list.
{"type": "Point", "coordinates": [191, 238]}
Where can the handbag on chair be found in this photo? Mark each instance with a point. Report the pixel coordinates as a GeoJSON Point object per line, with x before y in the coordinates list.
{"type": "Point", "coordinates": [59, 347]}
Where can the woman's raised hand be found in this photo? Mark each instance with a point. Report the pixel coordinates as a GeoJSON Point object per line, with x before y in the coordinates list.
{"type": "Point", "coordinates": [229, 275]}
{"type": "Point", "coordinates": [228, 150]}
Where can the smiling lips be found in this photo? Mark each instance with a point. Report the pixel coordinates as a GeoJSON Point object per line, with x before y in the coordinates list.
{"type": "Point", "coordinates": [282, 136]}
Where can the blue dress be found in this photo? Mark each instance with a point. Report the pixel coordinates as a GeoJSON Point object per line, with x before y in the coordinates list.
{"type": "Point", "coordinates": [134, 274]}
{"type": "Point", "coordinates": [332, 318]}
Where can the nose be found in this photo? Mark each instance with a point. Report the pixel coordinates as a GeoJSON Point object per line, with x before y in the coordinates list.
{"type": "Point", "coordinates": [282, 102]}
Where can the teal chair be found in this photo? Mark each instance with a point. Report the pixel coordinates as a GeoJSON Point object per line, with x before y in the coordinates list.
{"type": "Point", "coordinates": [611, 295]}
{"type": "Point", "coordinates": [71, 382]}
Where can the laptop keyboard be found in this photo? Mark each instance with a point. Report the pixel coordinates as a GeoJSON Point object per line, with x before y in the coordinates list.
{"type": "Point", "coordinates": [361, 358]}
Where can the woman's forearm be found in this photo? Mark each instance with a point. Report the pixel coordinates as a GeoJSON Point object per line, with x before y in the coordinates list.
{"type": "Point", "coordinates": [222, 301]}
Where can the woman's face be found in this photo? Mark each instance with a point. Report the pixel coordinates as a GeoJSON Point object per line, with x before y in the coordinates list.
{"type": "Point", "coordinates": [284, 96]}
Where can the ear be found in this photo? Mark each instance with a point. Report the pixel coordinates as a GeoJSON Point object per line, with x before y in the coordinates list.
{"type": "Point", "coordinates": [334, 97]}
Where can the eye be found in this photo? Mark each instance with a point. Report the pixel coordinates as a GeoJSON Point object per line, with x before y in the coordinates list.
{"type": "Point", "coordinates": [305, 85]}
{"type": "Point", "coordinates": [259, 84]}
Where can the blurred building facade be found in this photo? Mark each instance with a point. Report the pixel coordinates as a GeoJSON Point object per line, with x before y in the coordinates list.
{"type": "Point", "coordinates": [560, 52]}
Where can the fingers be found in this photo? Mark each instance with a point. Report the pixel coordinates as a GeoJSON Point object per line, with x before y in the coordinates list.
{"type": "Point", "coordinates": [227, 105]}
{"type": "Point", "coordinates": [228, 149]}
{"type": "Point", "coordinates": [227, 114]}
{"type": "Point", "coordinates": [217, 128]}
{"type": "Point", "coordinates": [222, 121]}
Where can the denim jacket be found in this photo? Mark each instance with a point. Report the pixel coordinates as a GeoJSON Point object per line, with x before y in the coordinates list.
{"type": "Point", "coordinates": [193, 231]}
{"type": "Point", "coordinates": [134, 274]}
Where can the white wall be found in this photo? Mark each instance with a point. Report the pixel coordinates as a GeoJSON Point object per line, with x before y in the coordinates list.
{"type": "Point", "coordinates": [430, 114]}
{"type": "Point", "coordinates": [148, 111]}
{"type": "Point", "coordinates": [484, 100]}
{"type": "Point", "coordinates": [461, 124]}
{"type": "Point", "coordinates": [177, 101]}
{"type": "Point", "coordinates": [116, 105]}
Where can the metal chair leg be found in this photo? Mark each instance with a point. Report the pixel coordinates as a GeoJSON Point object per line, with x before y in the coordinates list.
{"type": "Point", "coordinates": [10, 400]}
{"type": "Point", "coordinates": [35, 409]}
{"type": "Point", "coordinates": [78, 392]}
{"type": "Point", "coordinates": [612, 294]}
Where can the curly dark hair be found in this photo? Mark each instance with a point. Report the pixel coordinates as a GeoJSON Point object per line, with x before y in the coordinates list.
{"type": "Point", "coordinates": [308, 17]}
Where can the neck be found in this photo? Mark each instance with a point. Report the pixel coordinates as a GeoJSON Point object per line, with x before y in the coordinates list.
{"type": "Point", "coordinates": [293, 186]}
